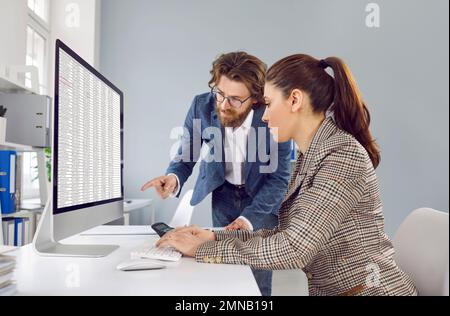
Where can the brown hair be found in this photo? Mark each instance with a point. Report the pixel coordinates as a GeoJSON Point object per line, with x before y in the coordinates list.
{"type": "Point", "coordinates": [241, 67]}
{"type": "Point", "coordinates": [339, 94]}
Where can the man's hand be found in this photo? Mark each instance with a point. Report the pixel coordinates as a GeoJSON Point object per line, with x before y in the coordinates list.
{"type": "Point", "coordinates": [238, 224]}
{"type": "Point", "coordinates": [164, 186]}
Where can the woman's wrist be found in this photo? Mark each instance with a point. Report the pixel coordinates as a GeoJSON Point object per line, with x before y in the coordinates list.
{"type": "Point", "coordinates": [212, 236]}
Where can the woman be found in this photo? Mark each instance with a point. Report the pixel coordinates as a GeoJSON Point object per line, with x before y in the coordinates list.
{"type": "Point", "coordinates": [331, 222]}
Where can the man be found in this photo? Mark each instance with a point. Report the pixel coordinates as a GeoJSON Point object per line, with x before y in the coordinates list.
{"type": "Point", "coordinates": [246, 171]}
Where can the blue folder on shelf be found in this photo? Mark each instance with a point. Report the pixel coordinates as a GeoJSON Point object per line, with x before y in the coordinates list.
{"type": "Point", "coordinates": [18, 232]}
{"type": "Point", "coordinates": [7, 181]}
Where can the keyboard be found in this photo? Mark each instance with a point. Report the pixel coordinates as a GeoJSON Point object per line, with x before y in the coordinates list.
{"type": "Point", "coordinates": [162, 254]}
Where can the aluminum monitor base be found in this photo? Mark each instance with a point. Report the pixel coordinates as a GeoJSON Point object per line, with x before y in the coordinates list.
{"type": "Point", "coordinates": [45, 245]}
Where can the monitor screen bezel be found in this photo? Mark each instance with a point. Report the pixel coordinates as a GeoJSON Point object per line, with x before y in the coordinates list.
{"type": "Point", "coordinates": [56, 210]}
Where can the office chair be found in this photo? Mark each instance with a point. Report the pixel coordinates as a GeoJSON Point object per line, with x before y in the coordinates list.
{"type": "Point", "coordinates": [421, 245]}
{"type": "Point", "coordinates": [183, 214]}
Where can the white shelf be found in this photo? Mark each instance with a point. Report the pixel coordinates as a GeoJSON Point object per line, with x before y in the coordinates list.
{"type": "Point", "coordinates": [17, 147]}
{"type": "Point", "coordinates": [8, 86]}
{"type": "Point", "coordinates": [21, 214]}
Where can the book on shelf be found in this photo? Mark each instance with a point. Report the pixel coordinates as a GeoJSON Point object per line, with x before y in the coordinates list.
{"type": "Point", "coordinates": [16, 231]}
{"type": "Point", "coordinates": [7, 284]}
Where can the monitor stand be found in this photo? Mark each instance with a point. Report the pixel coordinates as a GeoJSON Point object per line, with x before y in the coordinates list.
{"type": "Point", "coordinates": [45, 245]}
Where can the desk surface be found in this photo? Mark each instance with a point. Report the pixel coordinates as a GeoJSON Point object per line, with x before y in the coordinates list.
{"type": "Point", "coordinates": [37, 275]}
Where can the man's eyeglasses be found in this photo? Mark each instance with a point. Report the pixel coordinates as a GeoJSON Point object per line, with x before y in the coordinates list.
{"type": "Point", "coordinates": [233, 101]}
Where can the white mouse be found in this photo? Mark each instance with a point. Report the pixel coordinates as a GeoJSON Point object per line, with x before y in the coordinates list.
{"type": "Point", "coordinates": [140, 265]}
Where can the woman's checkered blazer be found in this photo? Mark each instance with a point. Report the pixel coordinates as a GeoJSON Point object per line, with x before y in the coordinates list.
{"type": "Point", "coordinates": [331, 225]}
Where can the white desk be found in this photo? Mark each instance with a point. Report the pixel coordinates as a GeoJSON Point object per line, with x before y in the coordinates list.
{"type": "Point", "coordinates": [37, 275]}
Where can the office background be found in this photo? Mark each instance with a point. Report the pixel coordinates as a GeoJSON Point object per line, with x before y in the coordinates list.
{"type": "Point", "coordinates": [160, 54]}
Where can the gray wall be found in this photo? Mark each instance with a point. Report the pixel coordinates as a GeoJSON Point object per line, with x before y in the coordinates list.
{"type": "Point", "coordinates": [160, 53]}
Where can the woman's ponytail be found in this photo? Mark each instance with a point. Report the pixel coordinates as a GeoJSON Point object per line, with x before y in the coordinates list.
{"type": "Point", "coordinates": [350, 111]}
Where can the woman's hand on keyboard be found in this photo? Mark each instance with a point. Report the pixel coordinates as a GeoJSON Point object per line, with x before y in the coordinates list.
{"type": "Point", "coordinates": [185, 241]}
{"type": "Point", "coordinates": [203, 234]}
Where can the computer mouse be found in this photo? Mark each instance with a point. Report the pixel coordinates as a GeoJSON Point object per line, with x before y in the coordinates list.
{"type": "Point", "coordinates": [140, 265]}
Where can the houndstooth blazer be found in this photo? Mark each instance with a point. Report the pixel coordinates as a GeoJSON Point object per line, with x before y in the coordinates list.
{"type": "Point", "coordinates": [331, 225]}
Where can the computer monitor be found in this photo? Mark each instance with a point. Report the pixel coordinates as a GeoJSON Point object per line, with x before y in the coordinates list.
{"type": "Point", "coordinates": [87, 157]}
